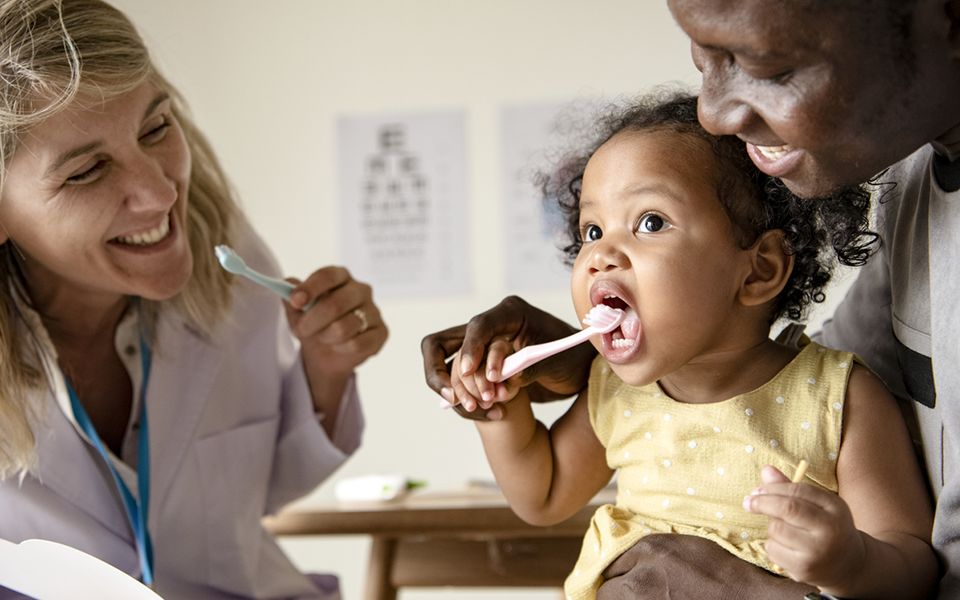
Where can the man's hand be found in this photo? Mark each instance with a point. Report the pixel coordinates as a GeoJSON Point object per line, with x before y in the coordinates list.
{"type": "Point", "coordinates": [684, 567]}
{"type": "Point", "coordinates": [491, 336]}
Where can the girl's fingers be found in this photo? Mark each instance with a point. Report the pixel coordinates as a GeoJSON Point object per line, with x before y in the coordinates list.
{"type": "Point", "coordinates": [499, 348]}
{"type": "Point", "coordinates": [465, 397]}
{"type": "Point", "coordinates": [770, 474]}
{"type": "Point", "coordinates": [794, 502]}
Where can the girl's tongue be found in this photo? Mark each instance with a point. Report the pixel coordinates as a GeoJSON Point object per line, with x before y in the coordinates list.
{"type": "Point", "coordinates": [625, 337]}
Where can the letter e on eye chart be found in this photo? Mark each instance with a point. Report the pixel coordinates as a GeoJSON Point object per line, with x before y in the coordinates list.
{"type": "Point", "coordinates": [403, 203]}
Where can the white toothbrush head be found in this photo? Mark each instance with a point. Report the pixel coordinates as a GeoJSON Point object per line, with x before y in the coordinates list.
{"type": "Point", "coordinates": [604, 318]}
{"type": "Point", "coordinates": [229, 259]}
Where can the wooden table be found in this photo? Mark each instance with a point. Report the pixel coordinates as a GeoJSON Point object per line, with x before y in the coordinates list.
{"type": "Point", "coordinates": [426, 539]}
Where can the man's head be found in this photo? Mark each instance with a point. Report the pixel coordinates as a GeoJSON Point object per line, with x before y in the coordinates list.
{"type": "Point", "coordinates": [826, 93]}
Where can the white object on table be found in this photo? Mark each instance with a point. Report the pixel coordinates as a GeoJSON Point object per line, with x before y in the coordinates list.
{"type": "Point", "coordinates": [371, 488]}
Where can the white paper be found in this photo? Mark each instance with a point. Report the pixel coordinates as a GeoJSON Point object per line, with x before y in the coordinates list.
{"type": "Point", "coordinates": [50, 571]}
{"type": "Point", "coordinates": [403, 203]}
{"type": "Point", "coordinates": [532, 229]}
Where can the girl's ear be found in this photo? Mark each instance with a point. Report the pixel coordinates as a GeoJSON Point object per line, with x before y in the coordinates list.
{"type": "Point", "coordinates": [771, 268]}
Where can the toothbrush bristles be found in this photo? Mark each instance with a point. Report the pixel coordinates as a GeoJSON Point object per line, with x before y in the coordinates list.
{"type": "Point", "coordinates": [602, 316]}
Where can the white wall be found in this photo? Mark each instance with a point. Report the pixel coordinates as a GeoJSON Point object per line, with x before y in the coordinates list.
{"type": "Point", "coordinates": [267, 81]}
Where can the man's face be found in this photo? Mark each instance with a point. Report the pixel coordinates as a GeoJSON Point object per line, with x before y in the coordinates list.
{"type": "Point", "coordinates": [821, 101]}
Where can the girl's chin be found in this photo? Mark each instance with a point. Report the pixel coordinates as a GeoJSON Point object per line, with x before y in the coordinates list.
{"type": "Point", "coordinates": [632, 377]}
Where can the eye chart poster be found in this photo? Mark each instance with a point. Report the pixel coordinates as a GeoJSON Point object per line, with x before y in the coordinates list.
{"type": "Point", "coordinates": [403, 197]}
{"type": "Point", "coordinates": [532, 227]}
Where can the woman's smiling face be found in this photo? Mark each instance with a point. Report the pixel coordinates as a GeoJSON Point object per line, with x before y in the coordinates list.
{"type": "Point", "coordinates": [657, 243]}
{"type": "Point", "coordinates": [95, 200]}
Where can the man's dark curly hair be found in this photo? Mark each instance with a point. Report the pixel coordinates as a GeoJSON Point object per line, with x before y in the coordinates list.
{"type": "Point", "coordinates": [818, 232]}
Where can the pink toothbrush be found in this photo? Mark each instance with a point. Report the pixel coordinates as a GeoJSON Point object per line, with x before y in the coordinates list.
{"type": "Point", "coordinates": [600, 319]}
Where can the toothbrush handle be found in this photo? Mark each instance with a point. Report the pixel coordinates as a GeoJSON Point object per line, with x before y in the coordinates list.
{"type": "Point", "coordinates": [525, 357]}
{"type": "Point", "coordinates": [278, 286]}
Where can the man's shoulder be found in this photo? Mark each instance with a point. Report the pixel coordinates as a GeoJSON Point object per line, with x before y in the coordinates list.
{"type": "Point", "coordinates": [911, 168]}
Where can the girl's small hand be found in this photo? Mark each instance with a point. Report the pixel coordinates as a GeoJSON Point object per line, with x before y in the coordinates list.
{"type": "Point", "coordinates": [811, 533]}
{"type": "Point", "coordinates": [475, 390]}
{"type": "Point", "coordinates": [343, 327]}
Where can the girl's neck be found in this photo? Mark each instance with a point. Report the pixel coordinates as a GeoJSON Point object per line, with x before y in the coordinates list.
{"type": "Point", "coordinates": [728, 373]}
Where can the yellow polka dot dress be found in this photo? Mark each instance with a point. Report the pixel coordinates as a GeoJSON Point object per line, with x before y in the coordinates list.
{"type": "Point", "coordinates": [685, 468]}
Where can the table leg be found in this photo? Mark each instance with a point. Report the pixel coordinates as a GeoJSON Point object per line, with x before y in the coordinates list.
{"type": "Point", "coordinates": [382, 553]}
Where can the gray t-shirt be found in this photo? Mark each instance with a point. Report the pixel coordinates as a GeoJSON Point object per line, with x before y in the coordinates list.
{"type": "Point", "coordinates": [902, 316]}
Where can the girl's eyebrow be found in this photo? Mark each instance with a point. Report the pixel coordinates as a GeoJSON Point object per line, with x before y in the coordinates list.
{"type": "Point", "coordinates": [69, 155]}
{"type": "Point", "coordinates": [657, 189]}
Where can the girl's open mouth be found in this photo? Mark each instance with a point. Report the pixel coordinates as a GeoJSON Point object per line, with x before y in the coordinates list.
{"type": "Point", "coordinates": [622, 341]}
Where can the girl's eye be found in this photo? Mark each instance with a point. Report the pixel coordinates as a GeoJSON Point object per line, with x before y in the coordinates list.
{"type": "Point", "coordinates": [652, 224]}
{"type": "Point", "coordinates": [591, 233]}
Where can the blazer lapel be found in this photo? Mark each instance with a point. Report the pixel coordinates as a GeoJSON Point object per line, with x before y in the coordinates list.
{"type": "Point", "coordinates": [184, 367]}
{"type": "Point", "coordinates": [72, 468]}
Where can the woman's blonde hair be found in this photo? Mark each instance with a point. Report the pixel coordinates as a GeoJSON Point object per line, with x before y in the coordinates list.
{"type": "Point", "coordinates": [54, 53]}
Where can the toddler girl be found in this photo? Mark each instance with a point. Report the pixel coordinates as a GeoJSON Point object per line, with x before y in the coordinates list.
{"type": "Point", "coordinates": [689, 399]}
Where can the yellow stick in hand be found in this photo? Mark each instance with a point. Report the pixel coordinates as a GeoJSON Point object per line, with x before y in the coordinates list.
{"type": "Point", "coordinates": [800, 472]}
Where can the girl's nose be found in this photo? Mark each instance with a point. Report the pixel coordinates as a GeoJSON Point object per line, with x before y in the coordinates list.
{"type": "Point", "coordinates": [606, 255]}
{"type": "Point", "coordinates": [720, 107]}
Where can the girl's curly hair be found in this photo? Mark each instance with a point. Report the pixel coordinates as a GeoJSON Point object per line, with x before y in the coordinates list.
{"type": "Point", "coordinates": [819, 232]}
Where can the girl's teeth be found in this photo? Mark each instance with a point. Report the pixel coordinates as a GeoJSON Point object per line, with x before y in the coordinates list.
{"type": "Point", "coordinates": [774, 152]}
{"type": "Point", "coordinates": [150, 237]}
{"type": "Point", "coordinates": [618, 341]}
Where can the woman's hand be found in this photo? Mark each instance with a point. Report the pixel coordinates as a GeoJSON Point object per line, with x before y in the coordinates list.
{"type": "Point", "coordinates": [337, 333]}
{"type": "Point", "coordinates": [491, 336]}
{"type": "Point", "coordinates": [811, 533]}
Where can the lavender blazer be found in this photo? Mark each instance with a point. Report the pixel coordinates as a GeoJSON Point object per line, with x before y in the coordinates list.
{"type": "Point", "coordinates": [233, 436]}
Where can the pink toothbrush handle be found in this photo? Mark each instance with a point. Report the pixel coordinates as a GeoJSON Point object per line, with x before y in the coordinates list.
{"type": "Point", "coordinates": [525, 357]}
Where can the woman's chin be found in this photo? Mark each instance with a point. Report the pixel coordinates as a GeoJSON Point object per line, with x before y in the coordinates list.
{"type": "Point", "coordinates": [168, 285]}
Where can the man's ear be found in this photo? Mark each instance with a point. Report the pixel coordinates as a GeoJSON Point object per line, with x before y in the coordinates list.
{"type": "Point", "coordinates": [771, 266]}
{"type": "Point", "coordinates": [952, 13]}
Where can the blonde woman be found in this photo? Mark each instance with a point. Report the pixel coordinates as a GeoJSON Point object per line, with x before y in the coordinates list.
{"type": "Point", "coordinates": [152, 408]}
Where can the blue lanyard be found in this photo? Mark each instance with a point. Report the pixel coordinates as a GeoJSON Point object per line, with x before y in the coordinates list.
{"type": "Point", "coordinates": [137, 510]}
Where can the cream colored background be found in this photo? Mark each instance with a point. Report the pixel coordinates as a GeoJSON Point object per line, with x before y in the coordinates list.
{"type": "Point", "coordinates": [267, 81]}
